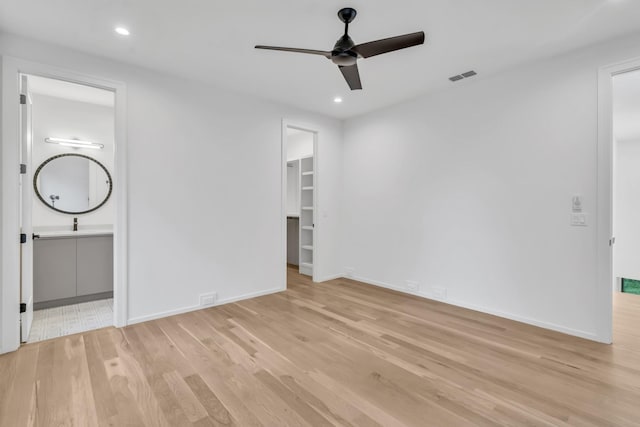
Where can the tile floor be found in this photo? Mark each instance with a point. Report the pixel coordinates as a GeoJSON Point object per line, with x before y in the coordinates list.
{"type": "Point", "coordinates": [71, 319]}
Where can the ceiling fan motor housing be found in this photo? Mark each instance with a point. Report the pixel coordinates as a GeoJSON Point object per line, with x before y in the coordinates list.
{"type": "Point", "coordinates": [344, 59]}
{"type": "Point", "coordinates": [342, 54]}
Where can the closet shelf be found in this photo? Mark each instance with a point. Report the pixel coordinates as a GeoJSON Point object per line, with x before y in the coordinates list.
{"type": "Point", "coordinates": [306, 188]}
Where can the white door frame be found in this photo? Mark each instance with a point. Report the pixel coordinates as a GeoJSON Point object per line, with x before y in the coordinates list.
{"type": "Point", "coordinates": [9, 267]}
{"type": "Point", "coordinates": [605, 281]}
{"type": "Point", "coordinates": [26, 208]}
{"type": "Point", "coordinates": [283, 167]}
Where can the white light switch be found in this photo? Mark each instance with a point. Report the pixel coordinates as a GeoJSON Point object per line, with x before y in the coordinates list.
{"type": "Point", "coordinates": [579, 220]}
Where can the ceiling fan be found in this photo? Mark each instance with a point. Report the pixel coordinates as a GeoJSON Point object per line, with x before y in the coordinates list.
{"type": "Point", "coordinates": [346, 53]}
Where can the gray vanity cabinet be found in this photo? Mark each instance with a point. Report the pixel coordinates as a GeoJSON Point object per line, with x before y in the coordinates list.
{"type": "Point", "coordinates": [95, 265]}
{"type": "Point", "coordinates": [68, 270]}
{"type": "Point", "coordinates": [54, 273]}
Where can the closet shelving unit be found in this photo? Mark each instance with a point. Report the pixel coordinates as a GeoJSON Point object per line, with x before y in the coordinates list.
{"type": "Point", "coordinates": [307, 215]}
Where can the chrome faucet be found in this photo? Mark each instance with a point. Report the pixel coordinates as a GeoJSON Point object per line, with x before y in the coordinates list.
{"type": "Point", "coordinates": [75, 224]}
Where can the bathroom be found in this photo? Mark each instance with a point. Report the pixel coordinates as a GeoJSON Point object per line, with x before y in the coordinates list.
{"type": "Point", "coordinates": [67, 207]}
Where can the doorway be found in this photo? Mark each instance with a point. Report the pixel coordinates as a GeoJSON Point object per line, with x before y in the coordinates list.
{"type": "Point", "coordinates": [11, 303]}
{"type": "Point", "coordinates": [300, 198]}
{"type": "Point", "coordinates": [67, 207]}
{"type": "Point", "coordinates": [626, 182]}
{"type": "Point", "coordinates": [609, 261]}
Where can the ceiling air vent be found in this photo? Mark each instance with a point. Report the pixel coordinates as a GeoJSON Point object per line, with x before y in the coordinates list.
{"type": "Point", "coordinates": [463, 76]}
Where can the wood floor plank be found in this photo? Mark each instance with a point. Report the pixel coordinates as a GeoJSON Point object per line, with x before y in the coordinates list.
{"type": "Point", "coordinates": [136, 400]}
{"type": "Point", "coordinates": [20, 394]}
{"type": "Point", "coordinates": [189, 403]}
{"type": "Point", "coordinates": [105, 403]}
{"type": "Point", "coordinates": [215, 409]}
{"type": "Point", "coordinates": [83, 403]}
{"type": "Point", "coordinates": [154, 380]}
{"type": "Point", "coordinates": [339, 353]}
{"type": "Point", "coordinates": [8, 372]}
{"type": "Point", "coordinates": [53, 391]}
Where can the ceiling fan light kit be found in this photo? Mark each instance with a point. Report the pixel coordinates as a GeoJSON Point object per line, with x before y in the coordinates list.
{"type": "Point", "coordinates": [345, 53]}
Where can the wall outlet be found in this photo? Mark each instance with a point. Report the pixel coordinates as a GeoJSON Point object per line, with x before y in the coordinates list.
{"type": "Point", "coordinates": [413, 286]}
{"type": "Point", "coordinates": [439, 292]}
{"type": "Point", "coordinates": [208, 299]}
{"type": "Point", "coordinates": [349, 272]}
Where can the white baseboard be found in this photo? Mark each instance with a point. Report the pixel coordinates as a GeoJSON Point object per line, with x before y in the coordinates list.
{"type": "Point", "coordinates": [182, 310]}
{"type": "Point", "coordinates": [534, 322]}
{"type": "Point", "coordinates": [385, 285]}
{"type": "Point", "coordinates": [331, 277]}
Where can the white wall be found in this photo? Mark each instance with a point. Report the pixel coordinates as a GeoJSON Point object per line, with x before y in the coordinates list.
{"type": "Point", "coordinates": [62, 118]}
{"type": "Point", "coordinates": [299, 144]}
{"type": "Point", "coordinates": [626, 210]}
{"type": "Point", "coordinates": [293, 188]}
{"type": "Point", "coordinates": [468, 192]}
{"type": "Point", "coordinates": [197, 222]}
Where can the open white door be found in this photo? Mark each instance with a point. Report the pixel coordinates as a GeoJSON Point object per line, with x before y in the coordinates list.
{"type": "Point", "coordinates": [26, 226]}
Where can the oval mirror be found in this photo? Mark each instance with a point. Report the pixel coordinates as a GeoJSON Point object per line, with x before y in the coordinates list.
{"type": "Point", "coordinates": [72, 183]}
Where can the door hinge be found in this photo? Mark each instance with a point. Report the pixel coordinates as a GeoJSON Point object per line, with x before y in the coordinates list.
{"type": "Point", "coordinates": [612, 241]}
{"type": "Point", "coordinates": [23, 99]}
{"type": "Point", "coordinates": [23, 307]}
{"type": "Point", "coordinates": [23, 238]}
{"type": "Point", "coordinates": [23, 168]}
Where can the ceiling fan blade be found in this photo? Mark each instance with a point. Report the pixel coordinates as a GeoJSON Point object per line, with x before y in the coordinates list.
{"type": "Point", "coordinates": [352, 76]}
{"type": "Point", "coordinates": [378, 47]}
{"type": "Point", "coordinates": [293, 49]}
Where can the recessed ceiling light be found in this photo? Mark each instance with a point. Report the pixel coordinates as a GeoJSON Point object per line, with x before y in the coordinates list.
{"type": "Point", "coordinates": [337, 100]}
{"type": "Point", "coordinates": [122, 31]}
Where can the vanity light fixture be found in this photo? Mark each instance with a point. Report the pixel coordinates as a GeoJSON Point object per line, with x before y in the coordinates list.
{"type": "Point", "coordinates": [122, 31]}
{"type": "Point", "coordinates": [75, 143]}
{"type": "Point", "coordinates": [337, 100]}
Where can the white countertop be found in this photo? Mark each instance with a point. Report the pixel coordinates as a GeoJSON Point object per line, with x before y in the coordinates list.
{"type": "Point", "coordinates": [56, 231]}
{"type": "Point", "coordinates": [71, 233]}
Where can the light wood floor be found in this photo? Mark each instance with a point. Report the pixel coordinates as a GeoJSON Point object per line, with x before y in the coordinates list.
{"type": "Point", "coordinates": [339, 353]}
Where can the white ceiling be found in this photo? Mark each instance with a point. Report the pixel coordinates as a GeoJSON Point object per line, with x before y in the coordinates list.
{"type": "Point", "coordinates": [70, 91]}
{"type": "Point", "coordinates": [626, 106]}
{"type": "Point", "coordinates": [213, 41]}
